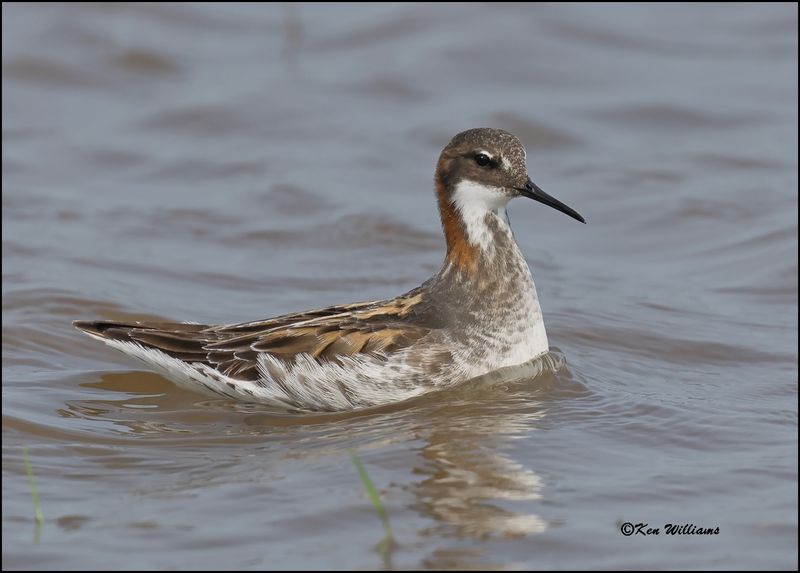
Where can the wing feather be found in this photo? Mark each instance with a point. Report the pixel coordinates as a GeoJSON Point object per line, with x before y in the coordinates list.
{"type": "Point", "coordinates": [325, 334]}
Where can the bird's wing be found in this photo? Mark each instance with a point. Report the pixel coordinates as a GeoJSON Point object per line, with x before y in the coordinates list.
{"type": "Point", "coordinates": [324, 334]}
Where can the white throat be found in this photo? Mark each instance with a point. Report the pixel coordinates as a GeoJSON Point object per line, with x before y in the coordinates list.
{"type": "Point", "coordinates": [474, 202]}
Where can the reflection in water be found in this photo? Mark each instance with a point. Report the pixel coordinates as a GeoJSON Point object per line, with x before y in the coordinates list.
{"type": "Point", "coordinates": [467, 473]}
{"type": "Point", "coordinates": [467, 476]}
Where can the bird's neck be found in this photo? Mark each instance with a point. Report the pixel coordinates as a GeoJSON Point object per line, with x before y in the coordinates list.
{"type": "Point", "coordinates": [476, 226]}
{"type": "Point", "coordinates": [485, 287]}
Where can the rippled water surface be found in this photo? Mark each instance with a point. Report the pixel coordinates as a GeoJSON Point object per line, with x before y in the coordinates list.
{"type": "Point", "coordinates": [223, 163]}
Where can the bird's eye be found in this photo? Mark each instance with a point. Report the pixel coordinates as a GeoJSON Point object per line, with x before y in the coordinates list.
{"type": "Point", "coordinates": [482, 159]}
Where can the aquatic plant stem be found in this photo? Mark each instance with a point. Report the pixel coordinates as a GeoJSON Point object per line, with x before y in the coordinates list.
{"type": "Point", "coordinates": [37, 505]}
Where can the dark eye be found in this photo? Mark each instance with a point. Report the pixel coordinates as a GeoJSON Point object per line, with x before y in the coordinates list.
{"type": "Point", "coordinates": [482, 159]}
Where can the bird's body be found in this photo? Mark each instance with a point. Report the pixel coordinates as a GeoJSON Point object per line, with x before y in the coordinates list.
{"type": "Point", "coordinates": [480, 312]}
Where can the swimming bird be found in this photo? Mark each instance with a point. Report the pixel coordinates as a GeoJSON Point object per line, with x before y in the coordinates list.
{"type": "Point", "coordinates": [479, 313]}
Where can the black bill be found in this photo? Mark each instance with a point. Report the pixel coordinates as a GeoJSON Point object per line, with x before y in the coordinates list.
{"type": "Point", "coordinates": [532, 191]}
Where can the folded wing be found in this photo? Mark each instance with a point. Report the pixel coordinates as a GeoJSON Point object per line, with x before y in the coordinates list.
{"type": "Point", "coordinates": [325, 334]}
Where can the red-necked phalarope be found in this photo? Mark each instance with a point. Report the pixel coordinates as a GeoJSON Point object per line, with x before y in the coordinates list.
{"type": "Point", "coordinates": [479, 313]}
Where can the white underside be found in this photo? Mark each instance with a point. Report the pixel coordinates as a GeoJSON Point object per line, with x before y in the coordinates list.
{"type": "Point", "coordinates": [307, 383]}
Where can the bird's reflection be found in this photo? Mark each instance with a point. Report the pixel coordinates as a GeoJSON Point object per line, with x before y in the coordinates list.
{"type": "Point", "coordinates": [468, 480]}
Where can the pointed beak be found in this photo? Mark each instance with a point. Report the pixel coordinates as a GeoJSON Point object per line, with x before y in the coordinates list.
{"type": "Point", "coordinates": [532, 191]}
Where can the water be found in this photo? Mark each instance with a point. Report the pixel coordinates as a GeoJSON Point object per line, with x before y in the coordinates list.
{"type": "Point", "coordinates": [224, 163]}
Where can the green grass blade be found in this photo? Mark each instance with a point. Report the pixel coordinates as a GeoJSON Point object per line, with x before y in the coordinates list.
{"type": "Point", "coordinates": [37, 505]}
{"type": "Point", "coordinates": [373, 494]}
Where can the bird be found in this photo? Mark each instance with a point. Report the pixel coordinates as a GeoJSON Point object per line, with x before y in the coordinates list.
{"type": "Point", "coordinates": [479, 313]}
